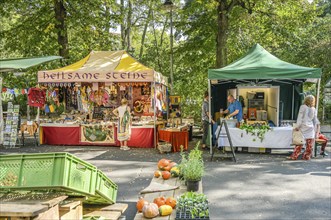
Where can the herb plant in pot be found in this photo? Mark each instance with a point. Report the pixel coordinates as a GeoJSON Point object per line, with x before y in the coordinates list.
{"type": "Point", "coordinates": [193, 174]}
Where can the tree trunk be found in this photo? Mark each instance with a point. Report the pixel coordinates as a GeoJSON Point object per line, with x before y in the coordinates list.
{"type": "Point", "coordinates": [221, 40]}
{"type": "Point", "coordinates": [156, 46]}
{"type": "Point", "coordinates": [123, 41]}
{"type": "Point", "coordinates": [145, 30]}
{"type": "Point", "coordinates": [129, 22]}
{"type": "Point", "coordinates": [62, 34]}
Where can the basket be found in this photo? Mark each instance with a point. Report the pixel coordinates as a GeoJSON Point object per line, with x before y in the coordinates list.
{"type": "Point", "coordinates": [164, 147]}
{"type": "Point", "coordinates": [53, 171]}
{"type": "Point", "coordinates": [105, 191]}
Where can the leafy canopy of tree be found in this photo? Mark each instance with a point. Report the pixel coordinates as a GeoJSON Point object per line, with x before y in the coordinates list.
{"type": "Point", "coordinates": [208, 34]}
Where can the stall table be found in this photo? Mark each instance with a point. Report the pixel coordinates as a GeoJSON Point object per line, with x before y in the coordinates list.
{"type": "Point", "coordinates": [66, 134]}
{"type": "Point", "coordinates": [170, 193]}
{"type": "Point", "coordinates": [277, 137]}
{"type": "Point", "coordinates": [176, 138]}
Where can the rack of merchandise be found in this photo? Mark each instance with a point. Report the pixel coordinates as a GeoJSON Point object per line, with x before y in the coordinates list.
{"type": "Point", "coordinates": [11, 126]}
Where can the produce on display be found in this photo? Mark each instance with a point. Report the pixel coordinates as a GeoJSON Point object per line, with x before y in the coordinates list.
{"type": "Point", "coordinates": [163, 163]}
{"type": "Point", "coordinates": [159, 201]}
{"type": "Point", "coordinates": [165, 210]}
{"type": "Point", "coordinates": [166, 175]}
{"type": "Point", "coordinates": [150, 210]}
{"type": "Point", "coordinates": [175, 171]}
{"type": "Point", "coordinates": [157, 173]}
{"type": "Point", "coordinates": [140, 204]}
{"type": "Point", "coordinates": [171, 202]}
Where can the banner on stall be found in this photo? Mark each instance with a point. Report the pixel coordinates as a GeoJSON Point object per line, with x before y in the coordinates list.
{"type": "Point", "coordinates": [143, 76]}
{"type": "Point", "coordinates": [98, 134]}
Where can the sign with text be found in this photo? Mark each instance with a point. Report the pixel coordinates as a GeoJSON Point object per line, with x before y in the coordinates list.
{"type": "Point", "coordinates": [143, 76]}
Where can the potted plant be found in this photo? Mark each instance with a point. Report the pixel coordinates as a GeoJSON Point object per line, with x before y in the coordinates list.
{"type": "Point", "coordinates": [193, 169]}
{"type": "Point", "coordinates": [192, 205]}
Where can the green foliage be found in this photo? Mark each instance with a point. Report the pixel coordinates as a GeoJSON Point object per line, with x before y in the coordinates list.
{"type": "Point", "coordinates": [257, 130]}
{"type": "Point", "coordinates": [191, 165]}
{"type": "Point", "coordinates": [195, 203]}
{"type": "Point", "coordinates": [295, 30]}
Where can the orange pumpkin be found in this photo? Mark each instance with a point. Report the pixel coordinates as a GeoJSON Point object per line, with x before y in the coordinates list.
{"type": "Point", "coordinates": [150, 210]}
{"type": "Point", "coordinates": [140, 204]}
{"type": "Point", "coordinates": [166, 175]}
{"type": "Point", "coordinates": [171, 201]}
{"type": "Point", "coordinates": [159, 201]}
{"type": "Point", "coordinates": [157, 173]}
{"type": "Point", "coordinates": [163, 163]}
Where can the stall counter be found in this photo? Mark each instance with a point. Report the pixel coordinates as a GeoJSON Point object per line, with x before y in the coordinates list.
{"type": "Point", "coordinates": [71, 134]}
{"type": "Point", "coordinates": [277, 137]}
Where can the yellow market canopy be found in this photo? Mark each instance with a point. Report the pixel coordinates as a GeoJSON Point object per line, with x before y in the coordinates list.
{"type": "Point", "coordinates": [103, 66]}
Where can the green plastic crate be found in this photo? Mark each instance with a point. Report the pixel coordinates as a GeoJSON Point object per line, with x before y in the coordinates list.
{"type": "Point", "coordinates": [51, 171]}
{"type": "Point", "coordinates": [105, 192]}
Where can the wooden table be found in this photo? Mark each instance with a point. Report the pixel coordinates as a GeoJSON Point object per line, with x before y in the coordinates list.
{"type": "Point", "coordinates": [171, 193]}
{"type": "Point", "coordinates": [49, 206]}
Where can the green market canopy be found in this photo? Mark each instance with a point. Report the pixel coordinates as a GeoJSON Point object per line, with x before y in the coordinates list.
{"type": "Point", "coordinates": [12, 64]}
{"type": "Point", "coordinates": [260, 64]}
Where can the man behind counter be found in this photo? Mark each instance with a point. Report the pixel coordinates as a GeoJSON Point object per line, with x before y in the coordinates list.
{"type": "Point", "coordinates": [235, 109]}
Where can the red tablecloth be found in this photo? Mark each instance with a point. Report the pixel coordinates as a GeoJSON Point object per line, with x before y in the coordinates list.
{"type": "Point", "coordinates": [176, 138]}
{"type": "Point", "coordinates": [141, 137]}
{"type": "Point", "coordinates": [57, 135]}
{"type": "Point", "coordinates": [61, 135]}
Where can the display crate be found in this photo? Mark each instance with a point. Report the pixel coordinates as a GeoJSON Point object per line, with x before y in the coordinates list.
{"type": "Point", "coordinates": [105, 191]}
{"type": "Point", "coordinates": [52, 171]}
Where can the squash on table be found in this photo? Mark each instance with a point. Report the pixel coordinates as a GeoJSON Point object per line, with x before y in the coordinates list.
{"type": "Point", "coordinates": [140, 204]}
{"type": "Point", "coordinates": [165, 210]}
{"type": "Point", "coordinates": [175, 171]}
{"type": "Point", "coordinates": [157, 173]}
{"type": "Point", "coordinates": [159, 201]}
{"type": "Point", "coordinates": [150, 210]}
{"type": "Point", "coordinates": [171, 202]}
{"type": "Point", "coordinates": [166, 175]}
{"type": "Point", "coordinates": [163, 163]}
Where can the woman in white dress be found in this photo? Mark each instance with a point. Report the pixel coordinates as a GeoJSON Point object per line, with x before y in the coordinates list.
{"type": "Point", "coordinates": [306, 122]}
{"type": "Point", "coordinates": [124, 124]}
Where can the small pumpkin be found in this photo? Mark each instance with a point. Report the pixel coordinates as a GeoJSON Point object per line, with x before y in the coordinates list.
{"type": "Point", "coordinates": [163, 163]}
{"type": "Point", "coordinates": [159, 201]}
{"type": "Point", "coordinates": [150, 210]}
{"type": "Point", "coordinates": [165, 210]}
{"type": "Point", "coordinates": [140, 204]}
{"type": "Point", "coordinates": [166, 175]}
{"type": "Point", "coordinates": [157, 173]}
{"type": "Point", "coordinates": [175, 171]}
{"type": "Point", "coordinates": [171, 202]}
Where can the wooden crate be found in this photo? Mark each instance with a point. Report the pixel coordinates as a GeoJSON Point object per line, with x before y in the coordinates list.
{"type": "Point", "coordinates": [71, 210]}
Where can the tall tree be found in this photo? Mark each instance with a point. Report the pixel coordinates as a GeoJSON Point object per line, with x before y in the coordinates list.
{"type": "Point", "coordinates": [61, 28]}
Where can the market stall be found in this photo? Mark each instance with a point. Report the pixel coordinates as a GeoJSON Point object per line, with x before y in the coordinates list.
{"type": "Point", "coordinates": [269, 89]}
{"type": "Point", "coordinates": [88, 91]}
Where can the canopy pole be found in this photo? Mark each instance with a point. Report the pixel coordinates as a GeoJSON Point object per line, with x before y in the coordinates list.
{"type": "Point", "coordinates": [210, 125]}
{"type": "Point", "coordinates": [154, 100]}
{"type": "Point", "coordinates": [292, 112]}
{"type": "Point", "coordinates": [318, 94]}
{"type": "Point", "coordinates": [1, 114]}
